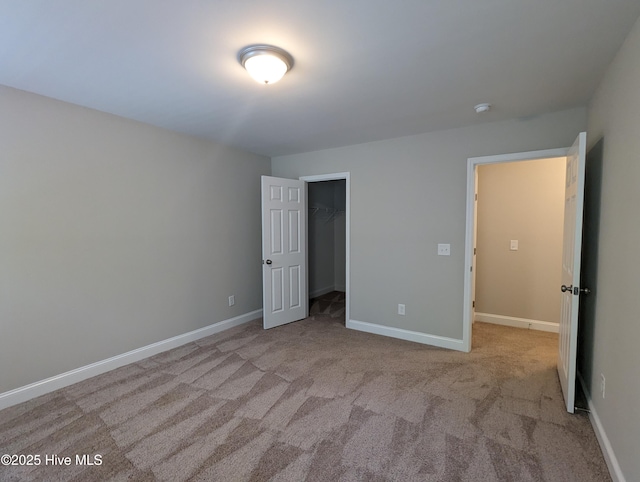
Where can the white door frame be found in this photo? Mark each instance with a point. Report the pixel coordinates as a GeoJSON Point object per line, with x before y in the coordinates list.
{"type": "Point", "coordinates": [472, 163]}
{"type": "Point", "coordinates": [336, 176]}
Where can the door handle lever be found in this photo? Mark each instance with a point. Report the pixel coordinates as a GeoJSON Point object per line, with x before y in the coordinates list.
{"type": "Point", "coordinates": [575, 290]}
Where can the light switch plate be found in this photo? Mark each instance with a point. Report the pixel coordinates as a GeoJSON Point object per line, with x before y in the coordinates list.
{"type": "Point", "coordinates": [444, 250]}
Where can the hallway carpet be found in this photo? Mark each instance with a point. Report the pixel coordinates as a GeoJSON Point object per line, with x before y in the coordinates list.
{"type": "Point", "coordinates": [315, 401]}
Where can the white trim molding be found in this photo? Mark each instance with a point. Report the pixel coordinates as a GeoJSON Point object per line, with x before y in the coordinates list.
{"type": "Point", "coordinates": [518, 322]}
{"type": "Point", "coordinates": [42, 387]}
{"type": "Point", "coordinates": [607, 450]}
{"type": "Point", "coordinates": [415, 336]}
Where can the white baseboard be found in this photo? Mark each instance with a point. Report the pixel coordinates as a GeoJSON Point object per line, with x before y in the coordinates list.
{"type": "Point", "coordinates": [27, 392]}
{"type": "Point", "coordinates": [518, 322]}
{"type": "Point", "coordinates": [609, 456]}
{"type": "Point", "coordinates": [321, 291]}
{"type": "Point", "coordinates": [416, 336]}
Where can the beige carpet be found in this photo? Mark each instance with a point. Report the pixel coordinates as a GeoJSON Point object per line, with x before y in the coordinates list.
{"type": "Point", "coordinates": [315, 401]}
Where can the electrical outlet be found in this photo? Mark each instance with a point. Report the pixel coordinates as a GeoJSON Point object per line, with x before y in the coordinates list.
{"type": "Point", "coordinates": [232, 300]}
{"type": "Point", "coordinates": [444, 250]}
{"type": "Point", "coordinates": [400, 309]}
{"type": "Point", "coordinates": [602, 384]}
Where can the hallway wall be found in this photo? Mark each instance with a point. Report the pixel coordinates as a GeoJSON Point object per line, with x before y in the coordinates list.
{"type": "Point", "coordinates": [522, 201]}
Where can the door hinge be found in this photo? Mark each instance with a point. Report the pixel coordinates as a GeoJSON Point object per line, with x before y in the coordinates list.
{"type": "Point", "coordinates": [476, 196]}
{"type": "Point", "coordinates": [471, 269]}
{"type": "Point", "coordinates": [474, 250]}
{"type": "Point", "coordinates": [473, 304]}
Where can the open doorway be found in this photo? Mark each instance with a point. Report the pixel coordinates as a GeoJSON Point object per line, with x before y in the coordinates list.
{"type": "Point", "coordinates": [519, 242]}
{"type": "Point", "coordinates": [470, 236]}
{"type": "Point", "coordinates": [571, 254]}
{"type": "Point", "coordinates": [328, 245]}
{"type": "Point", "coordinates": [326, 248]}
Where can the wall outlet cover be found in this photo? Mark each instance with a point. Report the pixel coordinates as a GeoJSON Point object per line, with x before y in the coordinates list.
{"type": "Point", "coordinates": [444, 250]}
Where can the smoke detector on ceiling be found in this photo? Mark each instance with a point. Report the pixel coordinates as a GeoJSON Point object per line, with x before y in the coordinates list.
{"type": "Point", "coordinates": [480, 108]}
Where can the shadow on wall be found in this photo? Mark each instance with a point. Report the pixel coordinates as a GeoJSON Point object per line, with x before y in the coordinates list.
{"type": "Point", "coordinates": [589, 264]}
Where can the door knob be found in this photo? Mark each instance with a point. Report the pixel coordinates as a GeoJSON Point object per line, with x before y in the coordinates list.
{"type": "Point", "coordinates": [268, 261]}
{"type": "Point", "coordinates": [575, 290]}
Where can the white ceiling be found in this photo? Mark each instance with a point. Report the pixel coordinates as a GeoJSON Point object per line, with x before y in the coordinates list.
{"type": "Point", "coordinates": [364, 69]}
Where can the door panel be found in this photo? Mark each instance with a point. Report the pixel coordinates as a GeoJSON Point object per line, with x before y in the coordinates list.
{"type": "Point", "coordinates": [284, 210]}
{"type": "Point", "coordinates": [277, 290]}
{"type": "Point", "coordinates": [571, 253]}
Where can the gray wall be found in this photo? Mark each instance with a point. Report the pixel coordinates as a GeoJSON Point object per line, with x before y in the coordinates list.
{"type": "Point", "coordinates": [614, 115]}
{"type": "Point", "coordinates": [523, 201]}
{"type": "Point", "coordinates": [115, 235]}
{"type": "Point", "coordinates": [408, 195]}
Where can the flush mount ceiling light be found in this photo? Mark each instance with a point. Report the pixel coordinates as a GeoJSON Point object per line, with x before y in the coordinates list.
{"type": "Point", "coordinates": [265, 63]}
